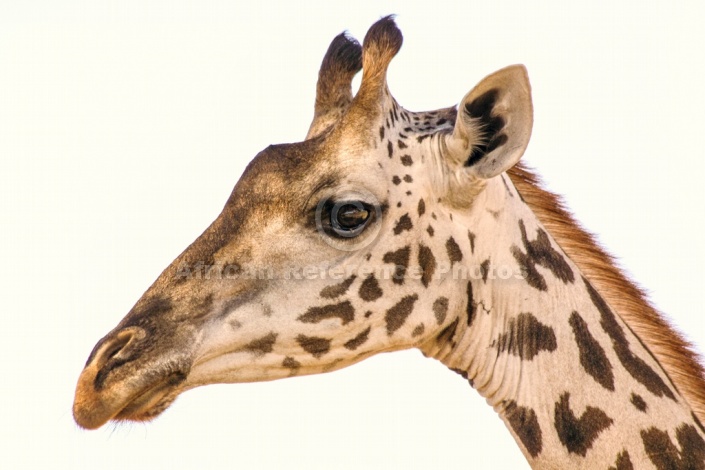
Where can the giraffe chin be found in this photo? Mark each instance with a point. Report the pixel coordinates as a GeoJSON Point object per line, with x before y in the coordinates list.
{"type": "Point", "coordinates": [92, 410]}
{"type": "Point", "coordinates": [150, 403]}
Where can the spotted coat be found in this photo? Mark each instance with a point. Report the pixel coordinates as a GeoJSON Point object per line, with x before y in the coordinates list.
{"type": "Point", "coordinates": [389, 229]}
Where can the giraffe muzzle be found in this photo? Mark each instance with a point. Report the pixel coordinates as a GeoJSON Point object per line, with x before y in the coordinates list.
{"type": "Point", "coordinates": [118, 383]}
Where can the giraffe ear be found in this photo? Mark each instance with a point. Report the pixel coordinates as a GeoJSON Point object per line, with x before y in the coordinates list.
{"type": "Point", "coordinates": [493, 125]}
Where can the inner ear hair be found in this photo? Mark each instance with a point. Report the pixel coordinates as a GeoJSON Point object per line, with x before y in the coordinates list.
{"type": "Point", "coordinates": [489, 125]}
{"type": "Point", "coordinates": [493, 125]}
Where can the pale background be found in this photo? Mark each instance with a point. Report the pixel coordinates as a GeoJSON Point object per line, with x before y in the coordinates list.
{"type": "Point", "coordinates": [124, 126]}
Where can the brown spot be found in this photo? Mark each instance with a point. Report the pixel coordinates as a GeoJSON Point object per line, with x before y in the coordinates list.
{"type": "Point", "coordinates": [400, 260]}
{"type": "Point", "coordinates": [454, 253]}
{"type": "Point", "coordinates": [592, 356]}
{"type": "Point", "coordinates": [427, 263]}
{"type": "Point", "coordinates": [526, 337]}
{"type": "Point", "coordinates": [403, 224]}
{"type": "Point", "coordinates": [471, 237]}
{"type": "Point", "coordinates": [406, 160]}
{"type": "Point", "coordinates": [578, 434]}
{"type": "Point", "coordinates": [401, 144]}
{"type": "Point", "coordinates": [381, 132]}
{"type": "Point", "coordinates": [396, 180]}
{"type": "Point", "coordinates": [623, 462]}
{"type": "Point", "coordinates": [494, 214]}
{"type": "Point", "coordinates": [390, 148]}
{"type": "Point", "coordinates": [440, 309]}
{"type": "Point", "coordinates": [633, 364]}
{"type": "Point", "coordinates": [397, 315]}
{"type": "Point", "coordinates": [291, 363]}
{"type": "Point", "coordinates": [666, 456]}
{"type": "Point", "coordinates": [485, 269]}
{"type": "Point", "coordinates": [317, 347]}
{"type": "Point", "coordinates": [336, 290]}
{"type": "Point", "coordinates": [525, 425]}
{"type": "Point", "coordinates": [261, 346]}
{"type": "Point", "coordinates": [430, 230]}
{"type": "Point", "coordinates": [408, 179]}
{"type": "Point", "coordinates": [529, 272]}
{"type": "Point", "coordinates": [638, 402]}
{"type": "Point", "coordinates": [447, 334]}
{"type": "Point", "coordinates": [540, 252]}
{"type": "Point", "coordinates": [358, 340]}
{"type": "Point", "coordinates": [368, 314]}
{"type": "Point", "coordinates": [343, 310]}
{"type": "Point", "coordinates": [472, 306]}
{"type": "Point", "coordinates": [418, 330]}
{"type": "Point", "coordinates": [421, 207]}
{"type": "Point", "coordinates": [370, 290]}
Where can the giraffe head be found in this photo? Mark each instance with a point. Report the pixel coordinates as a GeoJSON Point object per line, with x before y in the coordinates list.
{"type": "Point", "coordinates": [327, 251]}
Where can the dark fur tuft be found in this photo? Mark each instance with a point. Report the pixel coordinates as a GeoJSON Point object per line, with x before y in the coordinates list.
{"type": "Point", "coordinates": [384, 38]}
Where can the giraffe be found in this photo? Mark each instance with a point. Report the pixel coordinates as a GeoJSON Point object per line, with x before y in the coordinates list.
{"type": "Point", "coordinates": [387, 229]}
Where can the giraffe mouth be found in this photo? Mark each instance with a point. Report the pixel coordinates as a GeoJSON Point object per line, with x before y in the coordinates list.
{"type": "Point", "coordinates": [153, 400]}
{"type": "Point", "coordinates": [124, 402]}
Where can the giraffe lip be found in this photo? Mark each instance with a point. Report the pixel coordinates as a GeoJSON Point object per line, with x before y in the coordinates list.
{"type": "Point", "coordinates": [124, 402]}
{"type": "Point", "coordinates": [152, 400]}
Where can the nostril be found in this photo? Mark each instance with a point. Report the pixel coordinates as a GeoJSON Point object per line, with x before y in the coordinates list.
{"type": "Point", "coordinates": [117, 346]}
{"type": "Point", "coordinates": [115, 350]}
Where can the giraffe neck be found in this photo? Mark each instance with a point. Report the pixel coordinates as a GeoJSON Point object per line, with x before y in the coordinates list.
{"type": "Point", "coordinates": [572, 382]}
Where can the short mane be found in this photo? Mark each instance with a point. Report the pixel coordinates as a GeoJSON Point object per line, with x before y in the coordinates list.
{"type": "Point", "coordinates": [676, 355]}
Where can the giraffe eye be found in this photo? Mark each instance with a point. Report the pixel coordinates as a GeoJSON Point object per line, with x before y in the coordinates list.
{"type": "Point", "coordinates": [348, 219]}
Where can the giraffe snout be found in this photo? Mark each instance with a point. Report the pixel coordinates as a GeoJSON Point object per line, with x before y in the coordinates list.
{"type": "Point", "coordinates": [116, 349]}
{"type": "Point", "coordinates": [93, 405]}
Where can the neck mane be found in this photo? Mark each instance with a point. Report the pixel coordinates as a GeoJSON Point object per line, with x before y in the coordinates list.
{"type": "Point", "coordinates": [675, 354]}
